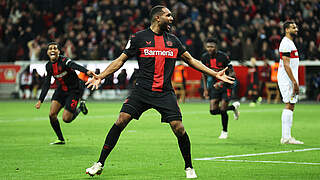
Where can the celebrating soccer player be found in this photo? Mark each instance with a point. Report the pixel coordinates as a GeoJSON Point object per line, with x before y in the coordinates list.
{"type": "Point", "coordinates": [156, 51]}
{"type": "Point", "coordinates": [288, 79]}
{"type": "Point", "coordinates": [216, 89]}
{"type": "Point", "coordinates": [67, 94]}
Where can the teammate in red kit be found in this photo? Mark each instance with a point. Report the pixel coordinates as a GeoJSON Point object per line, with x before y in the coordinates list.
{"type": "Point", "coordinates": [218, 91]}
{"type": "Point", "coordinates": [156, 51]}
{"type": "Point", "coordinates": [67, 94]}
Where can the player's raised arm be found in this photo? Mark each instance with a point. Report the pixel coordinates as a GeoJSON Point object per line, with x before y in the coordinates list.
{"type": "Point", "coordinates": [73, 65]}
{"type": "Point", "coordinates": [113, 67]}
{"type": "Point", "coordinates": [196, 64]}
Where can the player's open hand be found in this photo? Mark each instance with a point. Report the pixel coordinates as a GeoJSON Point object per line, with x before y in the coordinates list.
{"type": "Point", "coordinates": [38, 105]}
{"type": "Point", "coordinates": [91, 74]}
{"type": "Point", "coordinates": [222, 76]}
{"type": "Point", "coordinates": [94, 83]}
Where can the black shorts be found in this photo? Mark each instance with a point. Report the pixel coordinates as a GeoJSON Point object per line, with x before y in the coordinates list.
{"type": "Point", "coordinates": [68, 100]}
{"type": "Point", "coordinates": [222, 93]}
{"type": "Point", "coordinates": [141, 100]}
{"type": "Point", "coordinates": [252, 87]}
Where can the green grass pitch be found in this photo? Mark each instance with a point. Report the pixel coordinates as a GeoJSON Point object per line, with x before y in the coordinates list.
{"type": "Point", "coordinates": [148, 149]}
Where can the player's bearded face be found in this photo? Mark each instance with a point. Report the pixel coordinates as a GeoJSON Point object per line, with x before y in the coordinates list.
{"type": "Point", "coordinates": [166, 20]}
{"type": "Point", "coordinates": [53, 52]}
{"type": "Point", "coordinates": [293, 30]}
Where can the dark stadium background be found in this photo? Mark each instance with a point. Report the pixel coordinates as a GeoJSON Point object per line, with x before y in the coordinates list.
{"type": "Point", "coordinates": [98, 30]}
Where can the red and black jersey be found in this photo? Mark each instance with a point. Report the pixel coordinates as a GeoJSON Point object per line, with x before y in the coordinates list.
{"type": "Point", "coordinates": [157, 55]}
{"type": "Point", "coordinates": [63, 70]}
{"type": "Point", "coordinates": [253, 76]}
{"type": "Point", "coordinates": [216, 62]}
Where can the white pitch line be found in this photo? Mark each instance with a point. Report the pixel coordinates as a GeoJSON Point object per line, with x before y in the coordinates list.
{"type": "Point", "coordinates": [257, 154]}
{"type": "Point", "coordinates": [276, 162]}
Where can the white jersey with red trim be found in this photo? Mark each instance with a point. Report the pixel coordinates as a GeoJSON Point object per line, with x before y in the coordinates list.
{"type": "Point", "coordinates": [287, 48]}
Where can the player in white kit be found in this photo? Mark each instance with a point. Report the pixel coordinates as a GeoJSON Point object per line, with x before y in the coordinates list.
{"type": "Point", "coordinates": [288, 80]}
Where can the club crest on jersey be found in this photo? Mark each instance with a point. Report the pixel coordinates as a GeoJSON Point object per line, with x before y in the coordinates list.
{"type": "Point", "coordinates": [59, 68]}
{"type": "Point", "coordinates": [148, 42]}
{"type": "Point", "coordinates": [169, 43]}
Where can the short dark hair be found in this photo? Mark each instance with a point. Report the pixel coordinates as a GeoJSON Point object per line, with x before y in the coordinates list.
{"type": "Point", "coordinates": [212, 40]}
{"type": "Point", "coordinates": [54, 43]}
{"type": "Point", "coordinates": [286, 25]}
{"type": "Point", "coordinates": [156, 10]}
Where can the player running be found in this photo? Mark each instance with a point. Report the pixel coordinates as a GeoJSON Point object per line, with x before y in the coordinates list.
{"type": "Point", "coordinates": [67, 94]}
{"type": "Point", "coordinates": [157, 52]}
{"type": "Point", "coordinates": [288, 80]}
{"type": "Point", "coordinates": [217, 90]}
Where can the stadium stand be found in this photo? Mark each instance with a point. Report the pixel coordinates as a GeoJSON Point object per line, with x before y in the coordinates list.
{"type": "Point", "coordinates": [99, 29]}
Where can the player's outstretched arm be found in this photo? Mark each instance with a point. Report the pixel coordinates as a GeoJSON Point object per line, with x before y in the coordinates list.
{"type": "Point", "coordinates": [196, 64]}
{"type": "Point", "coordinates": [113, 67]}
{"type": "Point", "coordinates": [73, 65]}
{"type": "Point", "coordinates": [45, 88]}
{"type": "Point", "coordinates": [44, 91]}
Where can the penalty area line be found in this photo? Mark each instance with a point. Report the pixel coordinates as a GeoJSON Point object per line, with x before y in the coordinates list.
{"type": "Point", "coordinates": [275, 162]}
{"type": "Point", "coordinates": [256, 154]}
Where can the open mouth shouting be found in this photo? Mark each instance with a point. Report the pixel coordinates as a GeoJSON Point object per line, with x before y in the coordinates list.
{"type": "Point", "coordinates": [53, 52]}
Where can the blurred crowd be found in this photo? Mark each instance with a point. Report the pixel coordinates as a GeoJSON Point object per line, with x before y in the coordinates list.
{"type": "Point", "coordinates": [30, 83]}
{"type": "Point", "coordinates": [99, 29]}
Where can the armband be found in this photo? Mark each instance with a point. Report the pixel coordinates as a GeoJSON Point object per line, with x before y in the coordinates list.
{"type": "Point", "coordinates": [286, 54]}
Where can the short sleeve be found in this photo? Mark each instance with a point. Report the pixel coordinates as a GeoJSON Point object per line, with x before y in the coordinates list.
{"type": "Point", "coordinates": [131, 48]}
{"type": "Point", "coordinates": [180, 47]}
{"type": "Point", "coordinates": [284, 47]}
